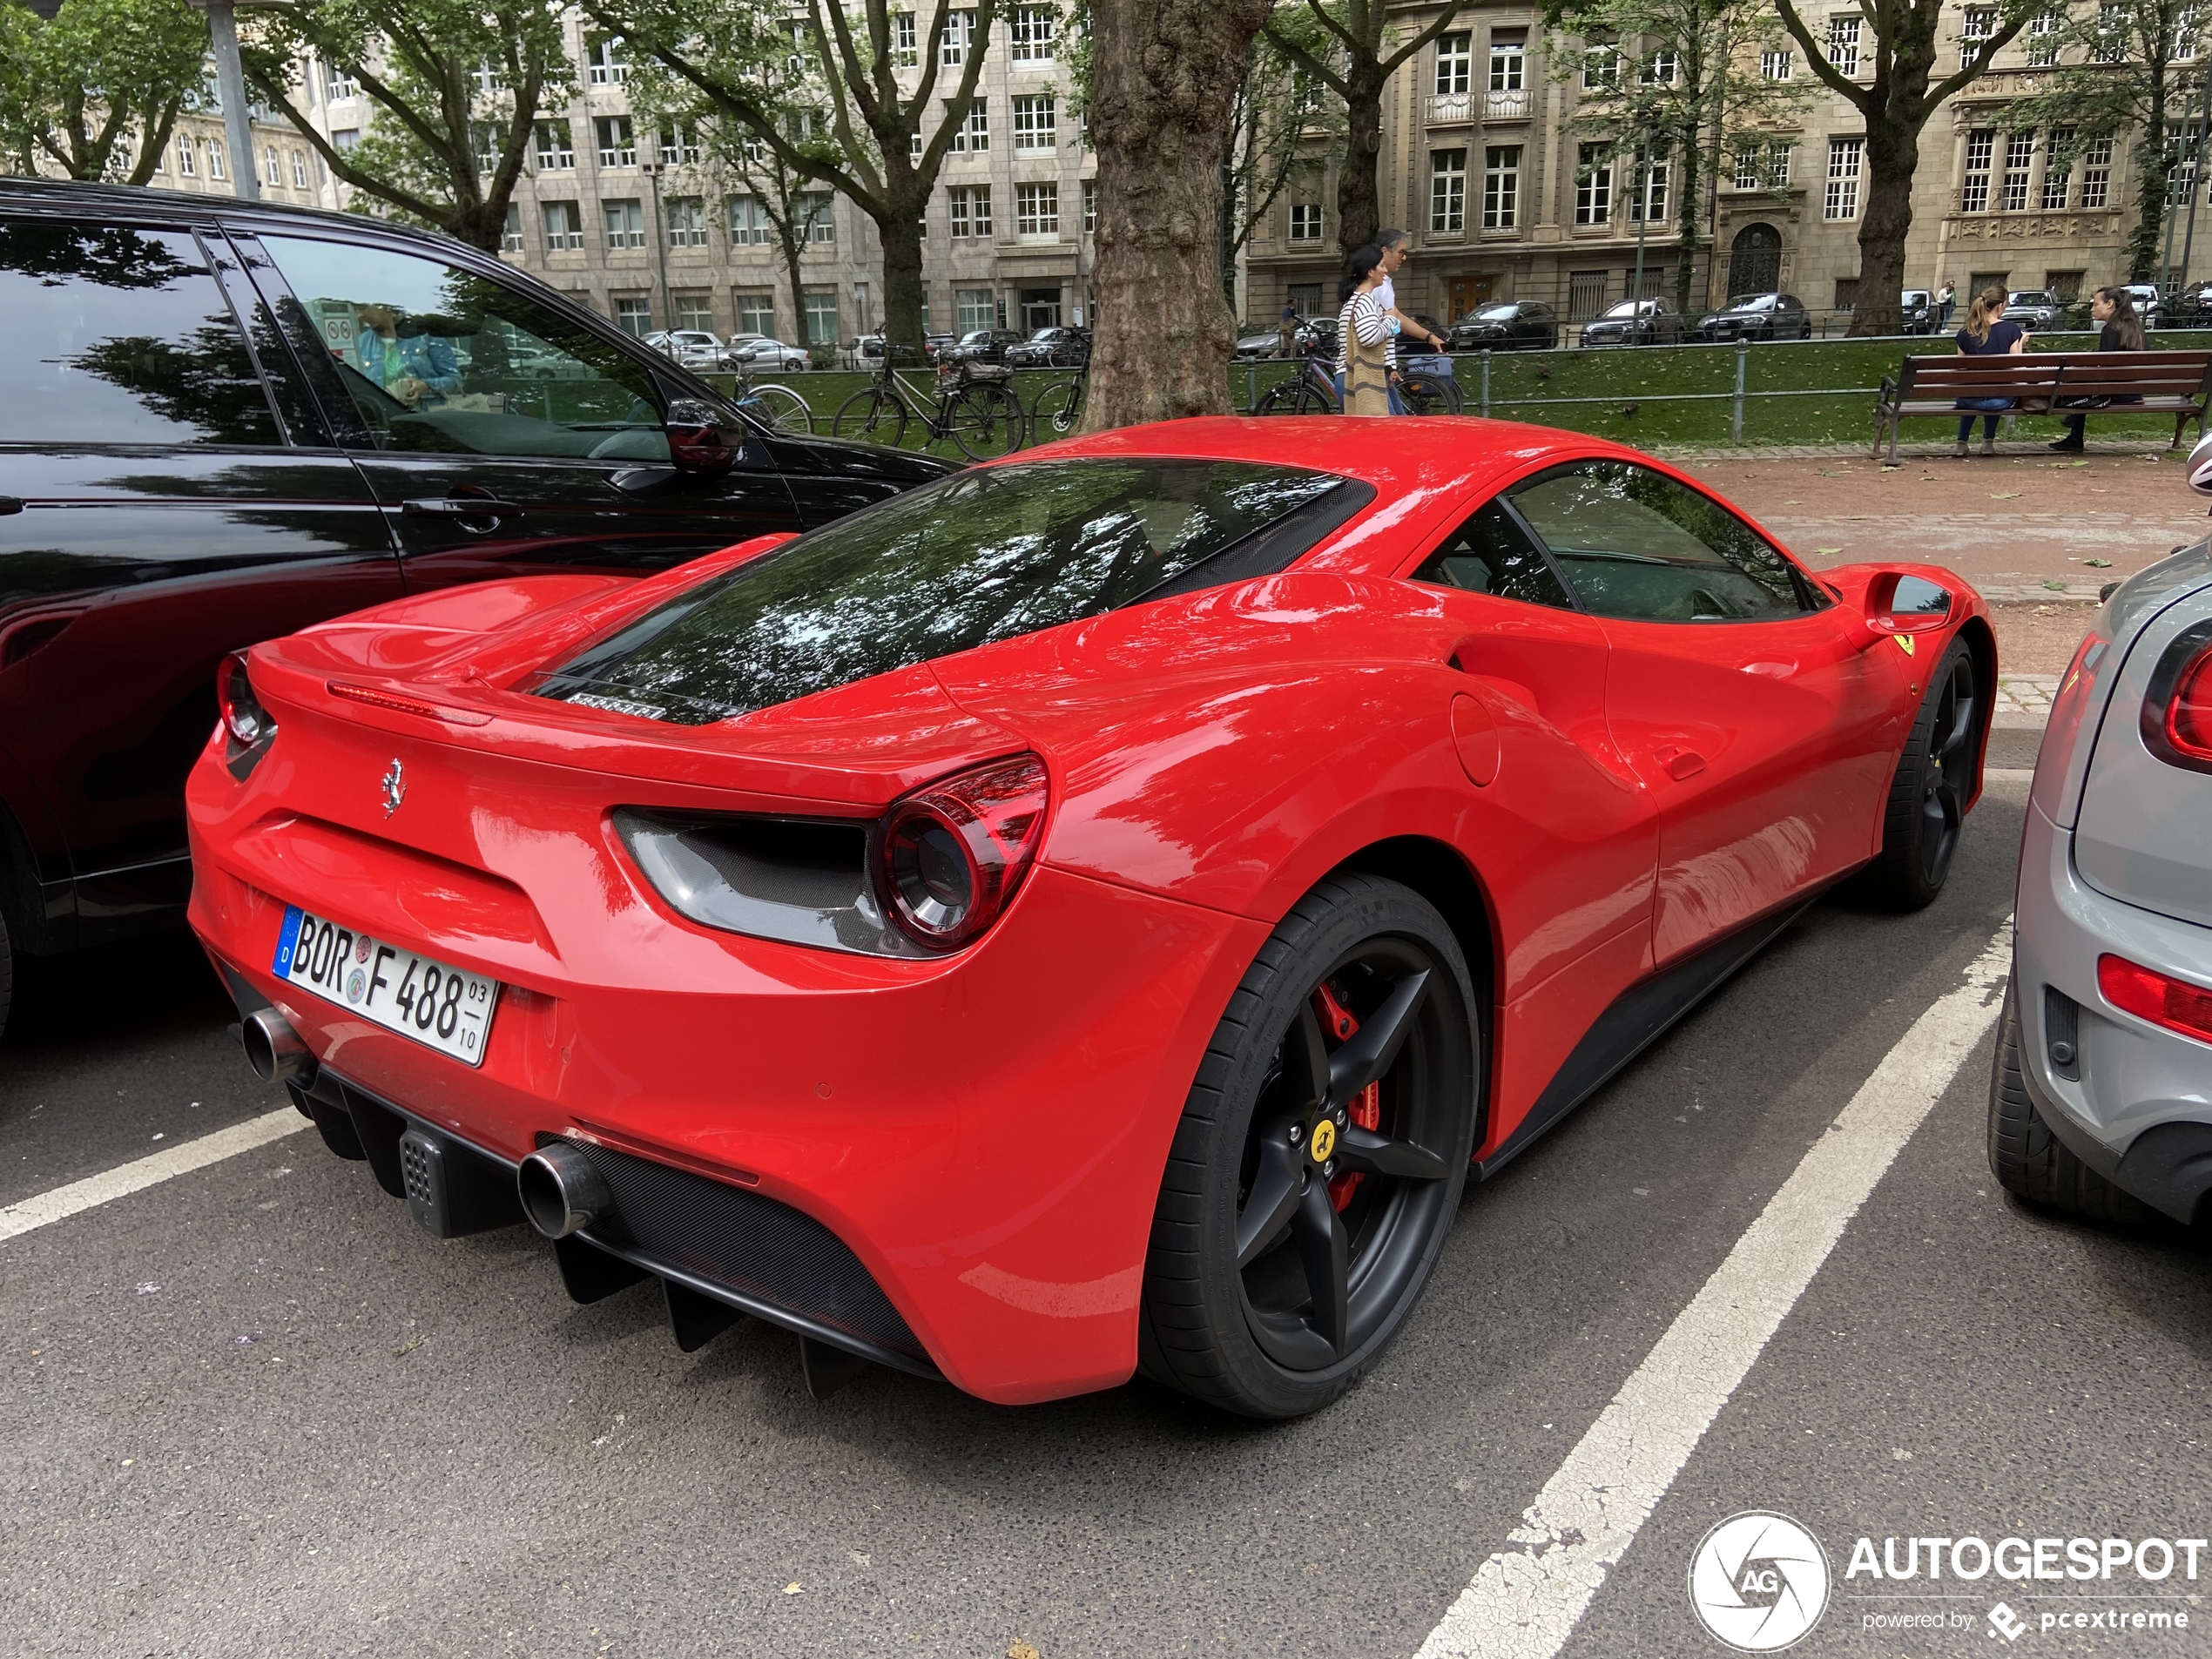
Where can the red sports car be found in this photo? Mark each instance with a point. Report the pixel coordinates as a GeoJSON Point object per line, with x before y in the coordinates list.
{"type": "Point", "coordinates": [1088, 913]}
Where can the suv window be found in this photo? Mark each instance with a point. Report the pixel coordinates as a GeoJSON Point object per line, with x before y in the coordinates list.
{"type": "Point", "coordinates": [1492, 553]}
{"type": "Point", "coordinates": [114, 334]}
{"type": "Point", "coordinates": [435, 358]}
{"type": "Point", "coordinates": [1632, 543]}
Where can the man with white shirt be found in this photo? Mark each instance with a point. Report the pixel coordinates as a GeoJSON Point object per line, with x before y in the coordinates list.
{"type": "Point", "coordinates": [1396, 248]}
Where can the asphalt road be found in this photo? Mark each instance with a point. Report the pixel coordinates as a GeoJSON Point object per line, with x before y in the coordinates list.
{"type": "Point", "coordinates": [254, 1410]}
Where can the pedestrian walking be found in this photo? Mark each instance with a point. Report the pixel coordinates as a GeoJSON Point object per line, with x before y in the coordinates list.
{"type": "Point", "coordinates": [1362, 331]}
{"type": "Point", "coordinates": [1942, 298]}
{"type": "Point", "coordinates": [1987, 335]}
{"type": "Point", "coordinates": [1286, 331]}
{"type": "Point", "coordinates": [2122, 331]}
{"type": "Point", "coordinates": [1396, 246]}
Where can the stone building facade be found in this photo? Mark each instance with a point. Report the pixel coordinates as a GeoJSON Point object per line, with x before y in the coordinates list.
{"type": "Point", "coordinates": [1504, 200]}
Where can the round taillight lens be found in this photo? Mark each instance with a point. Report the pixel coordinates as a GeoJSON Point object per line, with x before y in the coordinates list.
{"type": "Point", "coordinates": [951, 856]}
{"type": "Point", "coordinates": [244, 719]}
{"type": "Point", "coordinates": [2188, 717]}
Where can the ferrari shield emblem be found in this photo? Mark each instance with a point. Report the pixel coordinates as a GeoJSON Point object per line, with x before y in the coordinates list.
{"type": "Point", "coordinates": [1904, 643]}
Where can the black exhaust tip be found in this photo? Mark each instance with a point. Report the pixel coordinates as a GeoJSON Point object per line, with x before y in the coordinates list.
{"type": "Point", "coordinates": [562, 1193]}
{"type": "Point", "coordinates": [276, 1052]}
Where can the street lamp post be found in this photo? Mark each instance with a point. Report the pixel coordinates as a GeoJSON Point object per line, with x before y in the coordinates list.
{"type": "Point", "coordinates": [230, 83]}
{"type": "Point", "coordinates": [652, 172]}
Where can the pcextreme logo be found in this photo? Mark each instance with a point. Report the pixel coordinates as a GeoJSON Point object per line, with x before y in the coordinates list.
{"type": "Point", "coordinates": [1759, 1582]}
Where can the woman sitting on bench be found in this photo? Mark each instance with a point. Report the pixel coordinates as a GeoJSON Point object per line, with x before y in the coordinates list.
{"type": "Point", "coordinates": [1987, 334]}
{"type": "Point", "coordinates": [2122, 331]}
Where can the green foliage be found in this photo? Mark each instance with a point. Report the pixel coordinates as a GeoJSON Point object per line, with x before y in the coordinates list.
{"type": "Point", "coordinates": [97, 90]}
{"type": "Point", "coordinates": [442, 74]}
{"type": "Point", "coordinates": [1284, 123]}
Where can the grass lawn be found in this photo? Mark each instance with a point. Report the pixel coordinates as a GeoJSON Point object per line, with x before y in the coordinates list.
{"type": "Point", "coordinates": [1833, 382]}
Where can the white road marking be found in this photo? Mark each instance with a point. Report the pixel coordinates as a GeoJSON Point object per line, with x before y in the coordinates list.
{"type": "Point", "coordinates": [1526, 1599]}
{"type": "Point", "coordinates": [182, 1159]}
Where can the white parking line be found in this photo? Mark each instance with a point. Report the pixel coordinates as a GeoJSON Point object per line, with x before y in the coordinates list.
{"type": "Point", "coordinates": [1526, 1599]}
{"type": "Point", "coordinates": [182, 1159]}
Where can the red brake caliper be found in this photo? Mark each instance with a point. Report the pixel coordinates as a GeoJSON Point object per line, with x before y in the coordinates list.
{"type": "Point", "coordinates": [1365, 1109]}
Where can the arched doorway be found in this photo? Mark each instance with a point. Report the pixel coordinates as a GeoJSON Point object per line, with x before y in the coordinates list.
{"type": "Point", "coordinates": [1755, 260]}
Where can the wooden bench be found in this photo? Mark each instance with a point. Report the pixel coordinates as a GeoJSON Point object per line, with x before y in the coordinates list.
{"type": "Point", "coordinates": [2178, 383]}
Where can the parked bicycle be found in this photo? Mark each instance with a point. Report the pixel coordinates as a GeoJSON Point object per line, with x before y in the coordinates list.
{"type": "Point", "coordinates": [970, 405]}
{"type": "Point", "coordinates": [1426, 384]}
{"type": "Point", "coordinates": [1059, 408]}
{"type": "Point", "coordinates": [777, 406]}
{"type": "Point", "coordinates": [1311, 390]}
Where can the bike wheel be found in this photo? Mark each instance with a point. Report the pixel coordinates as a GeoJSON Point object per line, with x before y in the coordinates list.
{"type": "Point", "coordinates": [1430, 394]}
{"type": "Point", "coordinates": [782, 408]}
{"type": "Point", "coordinates": [985, 422]}
{"type": "Point", "coordinates": [1056, 410]}
{"type": "Point", "coordinates": [871, 413]}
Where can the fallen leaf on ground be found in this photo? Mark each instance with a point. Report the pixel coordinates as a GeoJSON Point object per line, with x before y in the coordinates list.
{"type": "Point", "coordinates": [2055, 587]}
{"type": "Point", "coordinates": [1828, 550]}
{"type": "Point", "coordinates": [794, 1588]}
{"type": "Point", "coordinates": [2098, 564]}
{"type": "Point", "coordinates": [1020, 1650]}
{"type": "Point", "coordinates": [2004, 495]}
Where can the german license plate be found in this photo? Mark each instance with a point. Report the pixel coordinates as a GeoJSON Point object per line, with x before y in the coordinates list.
{"type": "Point", "coordinates": [448, 1008]}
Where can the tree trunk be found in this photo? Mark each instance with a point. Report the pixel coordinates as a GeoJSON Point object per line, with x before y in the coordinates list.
{"type": "Point", "coordinates": [900, 234]}
{"type": "Point", "coordinates": [2150, 215]}
{"type": "Point", "coordinates": [1686, 212]}
{"type": "Point", "coordinates": [1358, 177]}
{"type": "Point", "coordinates": [1164, 74]}
{"type": "Point", "coordinates": [1893, 155]}
{"type": "Point", "coordinates": [793, 247]}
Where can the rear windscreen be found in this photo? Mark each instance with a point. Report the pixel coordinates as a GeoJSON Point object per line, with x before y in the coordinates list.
{"type": "Point", "coordinates": [977, 557]}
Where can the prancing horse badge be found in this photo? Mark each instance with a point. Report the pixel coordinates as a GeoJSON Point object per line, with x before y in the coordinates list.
{"type": "Point", "coordinates": [394, 788]}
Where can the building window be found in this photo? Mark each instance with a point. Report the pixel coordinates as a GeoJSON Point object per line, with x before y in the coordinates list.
{"type": "Point", "coordinates": [1980, 23]}
{"type": "Point", "coordinates": [617, 143]}
{"type": "Point", "coordinates": [1454, 64]}
{"type": "Point", "coordinates": [1778, 66]}
{"type": "Point", "coordinates": [686, 222]}
{"type": "Point", "coordinates": [679, 146]}
{"type": "Point", "coordinates": [1594, 184]}
{"type": "Point", "coordinates": [1649, 204]}
{"type": "Point", "coordinates": [341, 86]}
{"type": "Point", "coordinates": [510, 235]}
{"type": "Point", "coordinates": [903, 52]}
{"type": "Point", "coordinates": [298, 169]}
{"type": "Point", "coordinates": [1037, 210]}
{"type": "Point", "coordinates": [1031, 36]}
{"type": "Point", "coordinates": [2181, 162]}
{"type": "Point", "coordinates": [2111, 45]}
{"type": "Point", "coordinates": [1843, 45]}
{"type": "Point", "coordinates": [1764, 166]}
{"type": "Point", "coordinates": [1448, 192]}
{"type": "Point", "coordinates": [1974, 189]}
{"type": "Point", "coordinates": [2019, 156]}
{"type": "Point", "coordinates": [1501, 187]}
{"type": "Point", "coordinates": [634, 315]}
{"type": "Point", "coordinates": [811, 209]}
{"type": "Point", "coordinates": [2043, 39]}
{"type": "Point", "coordinates": [1305, 221]}
{"type": "Point", "coordinates": [487, 137]}
{"type": "Point", "coordinates": [756, 312]}
{"type": "Point", "coordinates": [1846, 293]}
{"type": "Point", "coordinates": [215, 158]}
{"type": "Point", "coordinates": [1659, 69]}
{"type": "Point", "coordinates": [1844, 157]}
{"type": "Point", "coordinates": [1509, 58]}
{"type": "Point", "coordinates": [976, 308]}
{"type": "Point", "coordinates": [959, 30]}
{"type": "Point", "coordinates": [606, 60]}
{"type": "Point", "coordinates": [1601, 68]}
{"type": "Point", "coordinates": [1090, 205]}
{"type": "Point", "coordinates": [971, 209]}
{"type": "Point", "coordinates": [1034, 126]}
{"type": "Point", "coordinates": [974, 135]}
{"type": "Point", "coordinates": [2065, 284]}
{"type": "Point", "coordinates": [555, 146]}
{"type": "Point", "coordinates": [749, 221]}
{"type": "Point", "coordinates": [487, 78]}
{"type": "Point", "coordinates": [273, 170]}
{"type": "Point", "coordinates": [2185, 33]}
{"type": "Point", "coordinates": [2057, 174]}
{"type": "Point", "coordinates": [344, 138]}
{"type": "Point", "coordinates": [186, 168]}
{"type": "Point", "coordinates": [693, 311]}
{"type": "Point", "coordinates": [2096, 172]}
{"type": "Point", "coordinates": [821, 316]}
{"type": "Point", "coordinates": [625, 222]}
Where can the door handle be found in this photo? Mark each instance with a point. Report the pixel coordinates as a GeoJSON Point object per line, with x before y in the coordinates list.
{"type": "Point", "coordinates": [1680, 763]}
{"type": "Point", "coordinates": [460, 507]}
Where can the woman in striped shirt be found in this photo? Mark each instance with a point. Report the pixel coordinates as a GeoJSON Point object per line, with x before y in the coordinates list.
{"type": "Point", "coordinates": [1363, 334]}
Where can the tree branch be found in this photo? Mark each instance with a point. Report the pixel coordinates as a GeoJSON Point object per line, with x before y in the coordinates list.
{"type": "Point", "coordinates": [1862, 97]}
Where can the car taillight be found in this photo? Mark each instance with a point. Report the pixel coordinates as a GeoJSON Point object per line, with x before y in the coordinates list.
{"type": "Point", "coordinates": [2162, 999]}
{"type": "Point", "coordinates": [2177, 709]}
{"type": "Point", "coordinates": [951, 856]}
{"type": "Point", "coordinates": [2188, 714]}
{"type": "Point", "coordinates": [244, 719]}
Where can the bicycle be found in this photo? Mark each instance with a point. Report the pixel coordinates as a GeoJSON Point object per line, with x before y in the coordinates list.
{"type": "Point", "coordinates": [982, 416]}
{"type": "Point", "coordinates": [1313, 390]}
{"type": "Point", "coordinates": [1059, 407]}
{"type": "Point", "coordinates": [1427, 386]}
{"type": "Point", "coordinates": [778, 406]}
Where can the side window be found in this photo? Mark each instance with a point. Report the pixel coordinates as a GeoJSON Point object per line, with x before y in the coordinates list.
{"type": "Point", "coordinates": [1632, 543]}
{"type": "Point", "coordinates": [1490, 553]}
{"type": "Point", "coordinates": [436, 359]}
{"type": "Point", "coordinates": [116, 334]}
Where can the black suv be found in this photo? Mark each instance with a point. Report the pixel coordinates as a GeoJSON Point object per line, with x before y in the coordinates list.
{"type": "Point", "coordinates": [1507, 325]}
{"type": "Point", "coordinates": [1758, 316]}
{"type": "Point", "coordinates": [1056, 347]}
{"type": "Point", "coordinates": [981, 346]}
{"type": "Point", "coordinates": [221, 421]}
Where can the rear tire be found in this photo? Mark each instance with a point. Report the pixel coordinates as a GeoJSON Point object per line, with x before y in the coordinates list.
{"type": "Point", "coordinates": [985, 422]}
{"type": "Point", "coordinates": [1431, 394]}
{"type": "Point", "coordinates": [869, 414]}
{"type": "Point", "coordinates": [2031, 1163]}
{"type": "Point", "coordinates": [1926, 812]}
{"type": "Point", "coordinates": [1274, 1278]}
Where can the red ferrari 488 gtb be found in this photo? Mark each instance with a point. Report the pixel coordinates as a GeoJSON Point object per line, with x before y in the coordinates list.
{"type": "Point", "coordinates": [1088, 913]}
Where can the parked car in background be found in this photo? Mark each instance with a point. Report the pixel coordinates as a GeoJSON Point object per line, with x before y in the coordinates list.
{"type": "Point", "coordinates": [761, 352]}
{"type": "Point", "coordinates": [981, 346]}
{"type": "Point", "coordinates": [221, 421]}
{"type": "Point", "coordinates": [932, 346]}
{"type": "Point", "coordinates": [1257, 340]}
{"type": "Point", "coordinates": [693, 347]}
{"type": "Point", "coordinates": [2189, 308]}
{"type": "Point", "coordinates": [2150, 304]}
{"type": "Point", "coordinates": [1507, 325]}
{"type": "Point", "coordinates": [1635, 322]}
{"type": "Point", "coordinates": [1919, 309]}
{"type": "Point", "coordinates": [2036, 310]}
{"type": "Point", "coordinates": [1758, 316]}
{"type": "Point", "coordinates": [1053, 348]}
{"type": "Point", "coordinates": [2101, 1094]}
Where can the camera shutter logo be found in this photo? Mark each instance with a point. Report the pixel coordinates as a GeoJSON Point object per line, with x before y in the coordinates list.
{"type": "Point", "coordinates": [1759, 1582]}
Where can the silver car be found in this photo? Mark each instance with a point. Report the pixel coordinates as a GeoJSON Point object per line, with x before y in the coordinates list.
{"type": "Point", "coordinates": [2101, 1099]}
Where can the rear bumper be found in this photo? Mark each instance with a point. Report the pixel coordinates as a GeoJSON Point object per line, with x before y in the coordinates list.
{"type": "Point", "coordinates": [984, 1136]}
{"type": "Point", "coordinates": [2135, 1103]}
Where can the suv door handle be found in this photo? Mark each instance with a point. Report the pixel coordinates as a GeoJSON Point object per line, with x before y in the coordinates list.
{"type": "Point", "coordinates": [460, 507]}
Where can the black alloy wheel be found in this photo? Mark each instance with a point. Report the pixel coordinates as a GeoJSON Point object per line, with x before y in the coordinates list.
{"type": "Point", "coordinates": [1320, 1158]}
{"type": "Point", "coordinates": [1927, 811]}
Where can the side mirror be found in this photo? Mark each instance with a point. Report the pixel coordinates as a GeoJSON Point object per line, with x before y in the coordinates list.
{"type": "Point", "coordinates": [1906, 604]}
{"type": "Point", "coordinates": [700, 438]}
